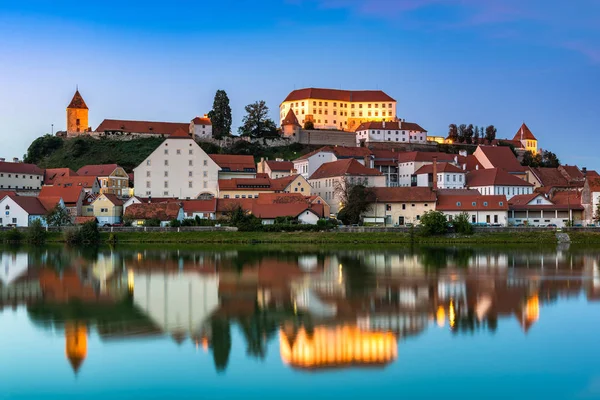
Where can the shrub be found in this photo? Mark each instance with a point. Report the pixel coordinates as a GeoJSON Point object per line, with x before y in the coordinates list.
{"type": "Point", "coordinates": [152, 222]}
{"type": "Point", "coordinates": [174, 223]}
{"type": "Point", "coordinates": [250, 223]}
{"type": "Point", "coordinates": [71, 234]}
{"type": "Point", "coordinates": [433, 223]}
{"type": "Point", "coordinates": [36, 233]}
{"type": "Point", "coordinates": [13, 236]}
{"type": "Point", "coordinates": [462, 224]}
{"type": "Point", "coordinates": [112, 238]}
{"type": "Point", "coordinates": [127, 221]}
{"type": "Point", "coordinates": [88, 233]}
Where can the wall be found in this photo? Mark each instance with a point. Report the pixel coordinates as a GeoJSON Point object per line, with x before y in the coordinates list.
{"type": "Point", "coordinates": [112, 215]}
{"type": "Point", "coordinates": [20, 181]}
{"type": "Point", "coordinates": [410, 211]}
{"type": "Point", "coordinates": [73, 114]}
{"type": "Point", "coordinates": [15, 212]}
{"type": "Point", "coordinates": [451, 180]}
{"type": "Point", "coordinates": [326, 138]}
{"type": "Point", "coordinates": [481, 216]}
{"type": "Point", "coordinates": [116, 183]}
{"type": "Point", "coordinates": [327, 188]}
{"type": "Point", "coordinates": [508, 191]}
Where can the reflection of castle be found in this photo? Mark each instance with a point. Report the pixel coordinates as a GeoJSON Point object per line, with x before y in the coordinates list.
{"type": "Point", "coordinates": [76, 343]}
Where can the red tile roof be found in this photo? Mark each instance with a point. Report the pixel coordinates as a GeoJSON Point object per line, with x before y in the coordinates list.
{"type": "Point", "coordinates": [290, 119]}
{"type": "Point", "coordinates": [571, 173]}
{"type": "Point", "coordinates": [502, 157]}
{"type": "Point", "coordinates": [69, 194]}
{"type": "Point", "coordinates": [226, 205]}
{"type": "Point", "coordinates": [390, 126]}
{"type": "Point", "coordinates": [244, 183]}
{"type": "Point", "coordinates": [345, 167]}
{"type": "Point", "coordinates": [592, 174]}
{"type": "Point", "coordinates": [31, 205]}
{"type": "Point", "coordinates": [199, 206]}
{"type": "Point", "coordinates": [465, 203]}
{"type": "Point", "coordinates": [471, 162]}
{"type": "Point", "coordinates": [280, 184]}
{"type": "Point", "coordinates": [77, 101]}
{"type": "Point", "coordinates": [49, 202]}
{"type": "Point", "coordinates": [97, 170]}
{"type": "Point", "coordinates": [339, 95]}
{"type": "Point", "coordinates": [494, 177]}
{"type": "Point", "coordinates": [524, 133]}
{"type": "Point", "coordinates": [341, 152]}
{"type": "Point", "coordinates": [458, 192]}
{"type": "Point", "coordinates": [234, 163]}
{"type": "Point", "coordinates": [567, 197]}
{"type": "Point", "coordinates": [280, 166]}
{"type": "Point", "coordinates": [202, 121]}
{"type": "Point", "coordinates": [594, 184]}
{"type": "Point", "coordinates": [523, 199]}
{"type": "Point", "coordinates": [4, 193]}
{"type": "Point", "coordinates": [113, 199]}
{"type": "Point", "coordinates": [549, 176]}
{"type": "Point", "coordinates": [565, 200]}
{"type": "Point", "coordinates": [83, 181]}
{"type": "Point", "coordinates": [158, 199]}
{"type": "Point", "coordinates": [441, 168]}
{"type": "Point", "coordinates": [271, 198]}
{"type": "Point", "coordinates": [20, 168]}
{"type": "Point", "coordinates": [402, 194]}
{"type": "Point", "coordinates": [53, 173]}
{"type": "Point", "coordinates": [161, 211]}
{"type": "Point", "coordinates": [275, 210]}
{"type": "Point", "coordinates": [425, 156]}
{"type": "Point", "coordinates": [83, 220]}
{"type": "Point", "coordinates": [149, 127]}
{"type": "Point", "coordinates": [180, 134]}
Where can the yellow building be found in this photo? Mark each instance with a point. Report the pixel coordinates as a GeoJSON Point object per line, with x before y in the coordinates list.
{"type": "Point", "coordinates": [77, 115]}
{"type": "Point", "coordinates": [76, 343]}
{"type": "Point", "coordinates": [527, 139]}
{"type": "Point", "coordinates": [399, 205]}
{"type": "Point", "coordinates": [113, 178]}
{"type": "Point", "coordinates": [108, 209]}
{"type": "Point", "coordinates": [338, 109]}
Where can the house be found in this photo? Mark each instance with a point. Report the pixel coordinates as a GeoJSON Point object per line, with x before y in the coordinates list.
{"type": "Point", "coordinates": [537, 210]}
{"type": "Point", "coordinates": [164, 212]}
{"type": "Point", "coordinates": [496, 181]}
{"type": "Point", "coordinates": [177, 168]}
{"type": "Point", "coordinates": [21, 211]}
{"type": "Point", "coordinates": [500, 157]}
{"type": "Point", "coordinates": [314, 199]}
{"type": "Point", "coordinates": [108, 209]}
{"type": "Point", "coordinates": [305, 212]}
{"type": "Point", "coordinates": [411, 161]}
{"type": "Point", "coordinates": [203, 209]}
{"type": "Point", "coordinates": [89, 184]}
{"type": "Point", "coordinates": [226, 206]}
{"type": "Point", "coordinates": [399, 205]}
{"type": "Point", "coordinates": [307, 164]}
{"type": "Point", "coordinates": [252, 188]}
{"type": "Point", "coordinates": [112, 178]}
{"type": "Point", "coordinates": [234, 166]}
{"type": "Point", "coordinates": [564, 177]}
{"type": "Point", "coordinates": [139, 199]}
{"type": "Point", "coordinates": [72, 197]}
{"type": "Point", "coordinates": [51, 174]}
{"type": "Point", "coordinates": [331, 178]}
{"type": "Point", "coordinates": [447, 176]}
{"type": "Point", "coordinates": [275, 169]}
{"type": "Point", "coordinates": [490, 210]}
{"type": "Point", "coordinates": [590, 196]}
{"type": "Point", "coordinates": [20, 176]}
{"type": "Point", "coordinates": [527, 139]}
{"type": "Point", "coordinates": [386, 162]}
{"type": "Point", "coordinates": [393, 131]}
{"type": "Point", "coordinates": [201, 128]}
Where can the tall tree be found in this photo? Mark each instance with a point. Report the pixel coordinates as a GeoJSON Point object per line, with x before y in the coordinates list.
{"type": "Point", "coordinates": [476, 135]}
{"type": "Point", "coordinates": [468, 133]}
{"type": "Point", "coordinates": [256, 123]}
{"type": "Point", "coordinates": [461, 133]}
{"type": "Point", "coordinates": [549, 160]}
{"type": "Point", "coordinates": [220, 115]}
{"type": "Point", "coordinates": [58, 216]}
{"type": "Point", "coordinates": [453, 132]}
{"type": "Point", "coordinates": [490, 132]}
{"type": "Point", "coordinates": [355, 199]}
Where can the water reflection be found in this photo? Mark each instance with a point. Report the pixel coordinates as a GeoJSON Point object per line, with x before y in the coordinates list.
{"type": "Point", "coordinates": [326, 309]}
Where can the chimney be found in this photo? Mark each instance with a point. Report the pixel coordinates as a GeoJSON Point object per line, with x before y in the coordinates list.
{"type": "Point", "coordinates": [584, 171]}
{"type": "Point", "coordinates": [15, 159]}
{"type": "Point", "coordinates": [464, 167]}
{"type": "Point", "coordinates": [2, 159]}
{"type": "Point", "coordinates": [149, 199]}
{"type": "Point", "coordinates": [435, 186]}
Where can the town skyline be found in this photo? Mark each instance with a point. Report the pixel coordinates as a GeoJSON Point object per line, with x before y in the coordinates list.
{"type": "Point", "coordinates": [499, 70]}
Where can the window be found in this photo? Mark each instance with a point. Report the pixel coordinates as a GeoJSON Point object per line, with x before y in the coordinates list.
{"type": "Point", "coordinates": [226, 196]}
{"type": "Point", "coordinates": [360, 106]}
{"type": "Point", "coordinates": [190, 152]}
{"type": "Point", "coordinates": [14, 220]}
{"type": "Point", "coordinates": [501, 203]}
{"type": "Point", "coordinates": [458, 204]}
{"type": "Point", "coordinates": [418, 217]}
{"type": "Point", "coordinates": [390, 105]}
{"type": "Point", "coordinates": [485, 203]}
{"type": "Point", "coordinates": [325, 104]}
{"type": "Point", "coordinates": [166, 151]}
{"type": "Point", "coordinates": [473, 204]}
{"type": "Point", "coordinates": [404, 206]}
{"type": "Point", "coordinates": [104, 210]}
{"type": "Point", "coordinates": [204, 184]}
{"type": "Point", "coordinates": [473, 219]}
{"type": "Point", "coordinates": [166, 174]}
{"type": "Point", "coordinates": [190, 184]}
{"type": "Point", "coordinates": [148, 162]}
{"type": "Point", "coordinates": [314, 103]}
{"type": "Point", "coordinates": [369, 113]}
{"type": "Point", "coordinates": [166, 163]}
{"type": "Point", "coordinates": [205, 173]}
{"type": "Point", "coordinates": [495, 219]}
{"type": "Point", "coordinates": [166, 193]}
{"type": "Point", "coordinates": [148, 184]}
{"type": "Point", "coordinates": [190, 173]}
{"type": "Point", "coordinates": [388, 207]}
{"type": "Point", "coordinates": [320, 103]}
{"type": "Point", "coordinates": [147, 174]}
{"type": "Point", "coordinates": [369, 106]}
{"type": "Point", "coordinates": [178, 151]}
{"type": "Point", "coordinates": [166, 184]}
{"type": "Point", "coordinates": [190, 163]}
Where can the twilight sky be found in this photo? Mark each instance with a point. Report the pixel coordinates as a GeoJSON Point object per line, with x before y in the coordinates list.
{"type": "Point", "coordinates": [484, 62]}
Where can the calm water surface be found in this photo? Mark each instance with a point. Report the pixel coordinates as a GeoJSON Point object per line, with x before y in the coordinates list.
{"type": "Point", "coordinates": [253, 322]}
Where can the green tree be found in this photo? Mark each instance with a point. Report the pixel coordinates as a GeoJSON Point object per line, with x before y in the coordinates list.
{"type": "Point", "coordinates": [220, 115]}
{"type": "Point", "coordinates": [529, 160]}
{"type": "Point", "coordinates": [42, 147]}
{"type": "Point", "coordinates": [355, 199]}
{"type": "Point", "coordinates": [309, 125]}
{"type": "Point", "coordinates": [453, 132]}
{"type": "Point", "coordinates": [490, 133]}
{"type": "Point", "coordinates": [549, 160]}
{"type": "Point", "coordinates": [221, 342]}
{"type": "Point", "coordinates": [36, 234]}
{"type": "Point", "coordinates": [476, 135]}
{"type": "Point", "coordinates": [256, 123]}
{"type": "Point", "coordinates": [461, 133]}
{"type": "Point", "coordinates": [89, 233]}
{"type": "Point", "coordinates": [58, 216]}
{"type": "Point", "coordinates": [462, 224]}
{"type": "Point", "coordinates": [468, 134]}
{"type": "Point", "coordinates": [433, 223]}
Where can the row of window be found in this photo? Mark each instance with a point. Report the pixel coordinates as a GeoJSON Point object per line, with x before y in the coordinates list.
{"type": "Point", "coordinates": [17, 187]}
{"type": "Point", "coordinates": [166, 184]}
{"type": "Point", "coordinates": [17, 176]}
{"type": "Point", "coordinates": [166, 174]}
{"type": "Point", "coordinates": [345, 105]}
{"type": "Point", "coordinates": [178, 151]}
{"type": "Point", "coordinates": [166, 162]}
{"type": "Point", "coordinates": [14, 221]}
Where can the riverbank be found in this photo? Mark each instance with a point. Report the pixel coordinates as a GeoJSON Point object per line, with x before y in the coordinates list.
{"type": "Point", "coordinates": [533, 237]}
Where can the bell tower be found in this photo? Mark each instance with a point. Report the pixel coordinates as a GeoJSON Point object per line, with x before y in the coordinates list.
{"type": "Point", "coordinates": [77, 115]}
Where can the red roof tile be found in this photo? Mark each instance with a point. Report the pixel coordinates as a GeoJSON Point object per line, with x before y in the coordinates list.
{"type": "Point", "coordinates": [53, 173]}
{"type": "Point", "coordinates": [571, 173]}
{"type": "Point", "coordinates": [524, 133]}
{"type": "Point", "coordinates": [77, 101]}
{"type": "Point", "coordinates": [402, 194]}
{"type": "Point", "coordinates": [82, 181]}
{"type": "Point", "coordinates": [161, 211]}
{"type": "Point", "coordinates": [69, 194]}
{"type": "Point", "coordinates": [458, 192]}
{"type": "Point", "coordinates": [4, 193]}
{"type": "Point", "coordinates": [523, 199]}
{"type": "Point", "coordinates": [594, 184]}
{"type": "Point", "coordinates": [471, 162]}
{"type": "Point", "coordinates": [339, 95]}
{"type": "Point", "coordinates": [20, 168]}
{"type": "Point", "coordinates": [280, 166]}
{"type": "Point", "coordinates": [592, 174]}
{"type": "Point", "coordinates": [549, 176]}
{"type": "Point", "coordinates": [199, 206]}
{"type": "Point", "coordinates": [234, 163]}
{"type": "Point", "coordinates": [441, 168]}
{"type": "Point", "coordinates": [346, 167]}
{"type": "Point", "coordinates": [290, 119]}
{"type": "Point", "coordinates": [202, 121]}
{"type": "Point", "coordinates": [113, 199]}
{"type": "Point", "coordinates": [226, 205]}
{"type": "Point", "coordinates": [83, 220]}
{"type": "Point", "coordinates": [49, 202]}
{"type": "Point", "coordinates": [148, 127]}
{"type": "Point", "coordinates": [292, 209]}
{"type": "Point", "coordinates": [280, 184]}
{"type": "Point", "coordinates": [244, 183]}
{"type": "Point", "coordinates": [494, 177]}
{"type": "Point", "coordinates": [502, 157]}
{"type": "Point", "coordinates": [97, 170]}
{"type": "Point", "coordinates": [567, 197]}
{"type": "Point", "coordinates": [31, 205]}
{"type": "Point", "coordinates": [390, 126]}
{"type": "Point", "coordinates": [180, 133]}
{"type": "Point", "coordinates": [465, 203]}
{"type": "Point", "coordinates": [271, 198]}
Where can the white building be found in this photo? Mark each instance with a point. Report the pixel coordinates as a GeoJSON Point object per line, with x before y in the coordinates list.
{"type": "Point", "coordinates": [20, 176]}
{"type": "Point", "coordinates": [21, 211]}
{"type": "Point", "coordinates": [338, 109]}
{"type": "Point", "coordinates": [411, 161]}
{"type": "Point", "coordinates": [309, 163]}
{"type": "Point", "coordinates": [484, 210]}
{"type": "Point", "coordinates": [331, 178]}
{"type": "Point", "coordinates": [448, 176]}
{"type": "Point", "coordinates": [177, 168]}
{"type": "Point", "coordinates": [201, 128]}
{"type": "Point", "coordinates": [537, 210]}
{"type": "Point", "coordinates": [394, 131]}
{"type": "Point", "coordinates": [496, 181]}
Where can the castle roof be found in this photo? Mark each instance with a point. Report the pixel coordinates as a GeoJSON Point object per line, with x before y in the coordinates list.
{"type": "Point", "coordinates": [524, 133]}
{"type": "Point", "coordinates": [290, 119]}
{"type": "Point", "coordinates": [202, 121]}
{"type": "Point", "coordinates": [77, 102]}
{"type": "Point", "coordinates": [234, 162]}
{"type": "Point", "coordinates": [339, 95]}
{"type": "Point", "coordinates": [147, 127]}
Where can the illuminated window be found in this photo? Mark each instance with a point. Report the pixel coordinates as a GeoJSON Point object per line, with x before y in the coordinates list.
{"type": "Point", "coordinates": [369, 106]}
{"type": "Point", "coordinates": [320, 103]}
{"type": "Point", "coordinates": [376, 113]}
{"type": "Point", "coordinates": [360, 114]}
{"type": "Point", "coordinates": [376, 105]}
{"type": "Point", "coordinates": [352, 106]}
{"type": "Point", "coordinates": [360, 106]}
{"type": "Point", "coordinates": [325, 104]}
{"type": "Point", "coordinates": [369, 113]}
{"type": "Point", "coordinates": [390, 105]}
{"type": "Point", "coordinates": [335, 112]}
{"type": "Point", "coordinates": [383, 105]}
{"type": "Point", "coordinates": [314, 103]}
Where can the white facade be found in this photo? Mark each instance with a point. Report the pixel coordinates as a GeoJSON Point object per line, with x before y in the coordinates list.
{"type": "Point", "coordinates": [508, 191]}
{"type": "Point", "coordinates": [445, 180]}
{"type": "Point", "coordinates": [201, 130]}
{"type": "Point", "coordinates": [329, 188]}
{"type": "Point", "coordinates": [481, 217]}
{"type": "Point", "coordinates": [20, 180]}
{"type": "Point", "coordinates": [390, 135]}
{"type": "Point", "coordinates": [11, 214]}
{"type": "Point", "coordinates": [177, 168]}
{"type": "Point", "coordinates": [308, 218]}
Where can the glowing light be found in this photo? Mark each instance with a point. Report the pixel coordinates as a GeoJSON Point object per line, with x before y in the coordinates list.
{"type": "Point", "coordinates": [130, 280]}
{"type": "Point", "coordinates": [451, 315]}
{"type": "Point", "coordinates": [532, 309]}
{"type": "Point", "coordinates": [441, 317]}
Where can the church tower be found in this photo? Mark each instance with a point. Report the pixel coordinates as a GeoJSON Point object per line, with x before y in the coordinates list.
{"type": "Point", "coordinates": [77, 115]}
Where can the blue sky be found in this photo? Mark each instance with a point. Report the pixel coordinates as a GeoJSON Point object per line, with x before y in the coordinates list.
{"type": "Point", "coordinates": [445, 61]}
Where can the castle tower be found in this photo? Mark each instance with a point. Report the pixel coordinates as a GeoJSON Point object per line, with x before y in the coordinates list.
{"type": "Point", "coordinates": [77, 115]}
{"type": "Point", "coordinates": [76, 343]}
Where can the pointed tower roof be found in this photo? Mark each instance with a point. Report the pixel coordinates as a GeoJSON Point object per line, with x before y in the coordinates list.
{"type": "Point", "coordinates": [180, 133]}
{"type": "Point", "coordinates": [77, 101]}
{"type": "Point", "coordinates": [290, 119]}
{"type": "Point", "coordinates": [524, 133]}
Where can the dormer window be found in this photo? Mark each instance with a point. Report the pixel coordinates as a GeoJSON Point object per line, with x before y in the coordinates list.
{"type": "Point", "coordinates": [473, 204]}
{"type": "Point", "coordinates": [485, 203]}
{"type": "Point", "coordinates": [501, 203]}
{"type": "Point", "coordinates": [7, 207]}
{"type": "Point", "coordinates": [458, 204]}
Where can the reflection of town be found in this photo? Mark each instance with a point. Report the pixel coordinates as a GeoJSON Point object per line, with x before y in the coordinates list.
{"type": "Point", "coordinates": [327, 310]}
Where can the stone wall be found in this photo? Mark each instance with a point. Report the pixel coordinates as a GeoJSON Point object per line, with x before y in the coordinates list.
{"type": "Point", "coordinates": [326, 138]}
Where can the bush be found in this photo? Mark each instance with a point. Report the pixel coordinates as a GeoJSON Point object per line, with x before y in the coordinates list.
{"type": "Point", "coordinates": [36, 234]}
{"type": "Point", "coordinates": [152, 222]}
{"type": "Point", "coordinates": [174, 223]}
{"type": "Point", "coordinates": [433, 223]}
{"type": "Point", "coordinates": [13, 236]}
{"type": "Point", "coordinates": [462, 224]}
{"type": "Point", "coordinates": [326, 224]}
{"type": "Point", "coordinates": [249, 223]}
{"type": "Point", "coordinates": [71, 234]}
{"type": "Point", "coordinates": [88, 233]}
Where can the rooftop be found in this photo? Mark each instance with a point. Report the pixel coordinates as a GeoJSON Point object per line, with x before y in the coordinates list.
{"type": "Point", "coordinates": [148, 127]}
{"type": "Point", "coordinates": [77, 101]}
{"type": "Point", "coordinates": [392, 126]}
{"type": "Point", "coordinates": [501, 157]}
{"type": "Point", "coordinates": [339, 95]}
{"type": "Point", "coordinates": [340, 152]}
{"type": "Point", "coordinates": [161, 211]}
{"type": "Point", "coordinates": [494, 177]}
{"type": "Point", "coordinates": [234, 163]}
{"type": "Point", "coordinates": [20, 168]}
{"type": "Point", "coordinates": [280, 166]}
{"type": "Point", "coordinates": [402, 194]}
{"type": "Point", "coordinates": [53, 173]}
{"type": "Point", "coordinates": [441, 168]}
{"type": "Point", "coordinates": [97, 170]}
{"type": "Point", "coordinates": [524, 133]}
{"type": "Point", "coordinates": [69, 194]}
{"type": "Point", "coordinates": [345, 167]}
{"type": "Point", "coordinates": [472, 203]}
